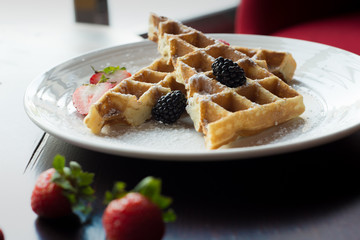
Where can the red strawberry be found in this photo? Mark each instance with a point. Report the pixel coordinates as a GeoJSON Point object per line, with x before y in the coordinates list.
{"type": "Point", "coordinates": [85, 95]}
{"type": "Point", "coordinates": [60, 190]}
{"type": "Point", "coordinates": [100, 82]}
{"type": "Point", "coordinates": [133, 217]}
{"type": "Point", "coordinates": [2, 237]}
{"type": "Point", "coordinates": [137, 215]}
{"type": "Point", "coordinates": [47, 199]}
{"type": "Point", "coordinates": [96, 77]}
{"type": "Point", "coordinates": [110, 74]}
{"type": "Point", "coordinates": [118, 76]}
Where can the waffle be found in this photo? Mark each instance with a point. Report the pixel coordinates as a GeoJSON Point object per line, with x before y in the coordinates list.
{"type": "Point", "coordinates": [282, 64]}
{"type": "Point", "coordinates": [221, 113]}
{"type": "Point", "coordinates": [131, 101]}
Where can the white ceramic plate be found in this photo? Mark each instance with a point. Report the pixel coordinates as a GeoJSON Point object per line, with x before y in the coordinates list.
{"type": "Point", "coordinates": [327, 77]}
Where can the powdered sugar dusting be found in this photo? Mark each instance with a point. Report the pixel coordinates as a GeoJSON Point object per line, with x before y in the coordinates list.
{"type": "Point", "coordinates": [156, 135]}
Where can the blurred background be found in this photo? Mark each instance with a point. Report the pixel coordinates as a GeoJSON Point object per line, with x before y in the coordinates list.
{"type": "Point", "coordinates": [127, 16]}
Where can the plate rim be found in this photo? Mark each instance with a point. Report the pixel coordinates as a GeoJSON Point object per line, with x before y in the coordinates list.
{"type": "Point", "coordinates": [210, 155]}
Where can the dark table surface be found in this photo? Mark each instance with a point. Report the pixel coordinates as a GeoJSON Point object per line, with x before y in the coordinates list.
{"type": "Point", "coordinates": [311, 194]}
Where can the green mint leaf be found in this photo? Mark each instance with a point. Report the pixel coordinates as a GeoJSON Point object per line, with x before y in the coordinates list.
{"type": "Point", "coordinates": [111, 69]}
{"type": "Point", "coordinates": [108, 70]}
{"type": "Point", "coordinates": [59, 163]}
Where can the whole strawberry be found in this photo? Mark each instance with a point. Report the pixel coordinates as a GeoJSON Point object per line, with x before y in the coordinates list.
{"type": "Point", "coordinates": [132, 216]}
{"type": "Point", "coordinates": [2, 237]}
{"type": "Point", "coordinates": [60, 191]}
{"type": "Point", "coordinates": [137, 215]}
{"type": "Point", "coordinates": [47, 199]}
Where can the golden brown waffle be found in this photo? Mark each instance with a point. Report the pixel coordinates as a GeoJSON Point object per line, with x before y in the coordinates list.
{"type": "Point", "coordinates": [221, 113]}
{"type": "Point", "coordinates": [131, 101]}
{"type": "Point", "coordinates": [282, 64]}
{"type": "Point", "coordinates": [162, 30]}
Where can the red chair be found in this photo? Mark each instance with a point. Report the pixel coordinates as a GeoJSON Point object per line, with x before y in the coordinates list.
{"type": "Point", "coordinates": [336, 23]}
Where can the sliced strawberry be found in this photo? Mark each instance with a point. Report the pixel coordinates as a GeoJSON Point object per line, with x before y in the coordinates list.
{"type": "Point", "coordinates": [96, 77]}
{"type": "Point", "coordinates": [118, 76]}
{"type": "Point", "coordinates": [111, 74]}
{"type": "Point", "coordinates": [84, 96]}
{"type": "Point", "coordinates": [100, 82]}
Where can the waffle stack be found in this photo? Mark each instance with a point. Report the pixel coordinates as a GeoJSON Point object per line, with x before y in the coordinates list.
{"type": "Point", "coordinates": [131, 101]}
{"type": "Point", "coordinates": [222, 113]}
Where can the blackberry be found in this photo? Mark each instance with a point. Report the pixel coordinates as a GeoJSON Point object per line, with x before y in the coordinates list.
{"type": "Point", "coordinates": [169, 107]}
{"type": "Point", "coordinates": [228, 73]}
